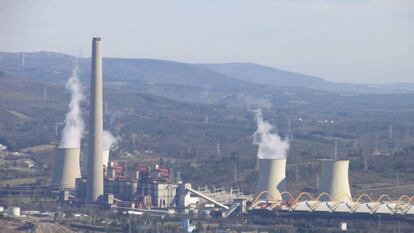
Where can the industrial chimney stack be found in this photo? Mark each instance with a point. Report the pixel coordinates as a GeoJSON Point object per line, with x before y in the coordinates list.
{"type": "Point", "coordinates": [95, 138]}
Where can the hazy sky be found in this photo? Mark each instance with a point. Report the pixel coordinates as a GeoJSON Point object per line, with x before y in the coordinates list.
{"type": "Point", "coordinates": [338, 40]}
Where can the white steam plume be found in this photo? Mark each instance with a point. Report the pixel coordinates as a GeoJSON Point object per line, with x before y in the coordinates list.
{"type": "Point", "coordinates": [108, 140]}
{"type": "Point", "coordinates": [72, 133]}
{"type": "Point", "coordinates": [271, 146]}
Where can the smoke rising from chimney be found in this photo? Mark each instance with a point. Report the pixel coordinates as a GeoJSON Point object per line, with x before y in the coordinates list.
{"type": "Point", "coordinates": [108, 140]}
{"type": "Point", "coordinates": [271, 146]}
{"type": "Point", "coordinates": [74, 125]}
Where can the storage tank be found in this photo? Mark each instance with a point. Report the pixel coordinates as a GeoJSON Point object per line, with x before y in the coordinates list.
{"type": "Point", "coordinates": [66, 169]}
{"type": "Point", "coordinates": [13, 211]}
{"type": "Point", "coordinates": [334, 180]}
{"type": "Point", "coordinates": [134, 188]}
{"type": "Point", "coordinates": [272, 177]}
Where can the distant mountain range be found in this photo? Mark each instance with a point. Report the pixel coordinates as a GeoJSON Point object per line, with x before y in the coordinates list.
{"type": "Point", "coordinates": [52, 67]}
{"type": "Point", "coordinates": [169, 100]}
{"type": "Point", "coordinates": [255, 73]}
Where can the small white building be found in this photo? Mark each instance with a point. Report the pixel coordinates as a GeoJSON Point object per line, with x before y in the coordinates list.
{"type": "Point", "coordinates": [13, 211]}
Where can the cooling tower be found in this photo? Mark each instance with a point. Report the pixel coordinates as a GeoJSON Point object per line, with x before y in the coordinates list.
{"type": "Point", "coordinates": [105, 158]}
{"type": "Point", "coordinates": [66, 169]}
{"type": "Point", "coordinates": [272, 177]}
{"type": "Point", "coordinates": [95, 139]}
{"type": "Point", "coordinates": [334, 179]}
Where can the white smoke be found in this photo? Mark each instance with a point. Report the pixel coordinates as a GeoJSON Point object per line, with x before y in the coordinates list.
{"type": "Point", "coordinates": [108, 140]}
{"type": "Point", "coordinates": [72, 133]}
{"type": "Point", "coordinates": [254, 102]}
{"type": "Point", "coordinates": [271, 146]}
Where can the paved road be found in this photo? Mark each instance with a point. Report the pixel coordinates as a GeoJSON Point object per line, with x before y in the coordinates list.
{"type": "Point", "coordinates": [44, 227]}
{"type": "Point", "coordinates": [407, 186]}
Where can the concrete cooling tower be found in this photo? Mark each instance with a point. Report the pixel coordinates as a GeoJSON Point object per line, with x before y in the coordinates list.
{"type": "Point", "coordinates": [105, 158]}
{"type": "Point", "coordinates": [66, 169]}
{"type": "Point", "coordinates": [105, 161]}
{"type": "Point", "coordinates": [94, 171]}
{"type": "Point", "coordinates": [272, 177]}
{"type": "Point", "coordinates": [334, 180]}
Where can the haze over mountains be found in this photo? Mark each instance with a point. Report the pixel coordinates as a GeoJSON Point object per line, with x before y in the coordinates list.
{"type": "Point", "coordinates": [215, 76]}
{"type": "Point", "coordinates": [183, 111]}
{"type": "Point", "coordinates": [255, 73]}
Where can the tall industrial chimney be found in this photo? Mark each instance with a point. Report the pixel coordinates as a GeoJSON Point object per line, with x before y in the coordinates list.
{"type": "Point", "coordinates": [272, 177]}
{"type": "Point", "coordinates": [334, 180]}
{"type": "Point", "coordinates": [95, 139]}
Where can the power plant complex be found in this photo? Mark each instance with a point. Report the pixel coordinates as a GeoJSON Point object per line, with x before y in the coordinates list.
{"type": "Point", "coordinates": [67, 160]}
{"type": "Point", "coordinates": [110, 184]}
